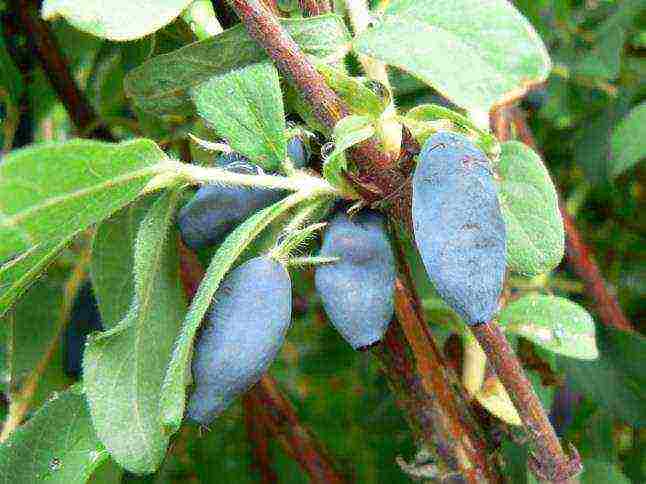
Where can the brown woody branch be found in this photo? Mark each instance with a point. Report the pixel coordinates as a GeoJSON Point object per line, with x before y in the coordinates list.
{"type": "Point", "coordinates": [311, 8]}
{"type": "Point", "coordinates": [259, 438]}
{"type": "Point", "coordinates": [577, 253]}
{"type": "Point", "coordinates": [56, 68]}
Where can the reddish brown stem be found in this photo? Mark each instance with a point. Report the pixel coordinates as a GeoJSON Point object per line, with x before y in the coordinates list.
{"type": "Point", "coordinates": [430, 394]}
{"type": "Point", "coordinates": [288, 57]}
{"type": "Point", "coordinates": [577, 253]}
{"type": "Point", "coordinates": [57, 71]}
{"type": "Point", "coordinates": [297, 441]}
{"type": "Point", "coordinates": [311, 8]}
{"type": "Point", "coordinates": [259, 438]}
{"type": "Point", "coordinates": [549, 461]}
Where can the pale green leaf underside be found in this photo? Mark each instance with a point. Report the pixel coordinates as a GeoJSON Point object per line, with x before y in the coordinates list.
{"type": "Point", "coordinates": [116, 19]}
{"type": "Point", "coordinates": [529, 204]}
{"type": "Point", "coordinates": [245, 107]}
{"type": "Point", "coordinates": [56, 445]}
{"type": "Point", "coordinates": [52, 191]}
{"type": "Point", "coordinates": [628, 143]}
{"type": "Point", "coordinates": [162, 84]}
{"type": "Point", "coordinates": [476, 53]}
{"type": "Point", "coordinates": [176, 380]}
{"type": "Point", "coordinates": [554, 323]}
{"type": "Point", "coordinates": [348, 132]}
{"type": "Point", "coordinates": [124, 367]}
{"type": "Point", "coordinates": [112, 261]}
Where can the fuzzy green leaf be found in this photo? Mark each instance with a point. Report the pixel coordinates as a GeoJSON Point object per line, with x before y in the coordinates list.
{"type": "Point", "coordinates": [555, 323]}
{"type": "Point", "coordinates": [56, 445]}
{"type": "Point", "coordinates": [112, 260]}
{"type": "Point", "coordinates": [474, 53]}
{"type": "Point", "coordinates": [358, 97]}
{"type": "Point", "coordinates": [117, 19]}
{"type": "Point", "coordinates": [173, 395]}
{"type": "Point", "coordinates": [348, 132]}
{"type": "Point", "coordinates": [245, 107]}
{"type": "Point", "coordinates": [162, 84]}
{"type": "Point", "coordinates": [529, 204]}
{"type": "Point", "coordinates": [124, 367]}
{"type": "Point", "coordinates": [628, 143]}
{"type": "Point", "coordinates": [52, 191]}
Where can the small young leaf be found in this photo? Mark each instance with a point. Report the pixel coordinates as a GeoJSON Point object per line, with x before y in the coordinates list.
{"type": "Point", "coordinates": [535, 236]}
{"type": "Point", "coordinates": [424, 123]}
{"type": "Point", "coordinates": [162, 84]}
{"type": "Point", "coordinates": [348, 132]}
{"type": "Point", "coordinates": [628, 143]}
{"type": "Point", "coordinates": [495, 53]}
{"type": "Point", "coordinates": [359, 98]}
{"type": "Point", "coordinates": [118, 19]}
{"type": "Point", "coordinates": [56, 445]}
{"type": "Point", "coordinates": [245, 107]}
{"type": "Point", "coordinates": [124, 367]}
{"type": "Point", "coordinates": [495, 399]}
{"type": "Point", "coordinates": [52, 191]}
{"type": "Point", "coordinates": [173, 397]}
{"type": "Point", "coordinates": [554, 323]}
{"type": "Point", "coordinates": [112, 261]}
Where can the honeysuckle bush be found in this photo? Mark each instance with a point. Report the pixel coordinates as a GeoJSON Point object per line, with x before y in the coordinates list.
{"type": "Point", "coordinates": [176, 90]}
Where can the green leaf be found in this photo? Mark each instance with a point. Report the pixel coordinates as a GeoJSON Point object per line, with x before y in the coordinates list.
{"type": "Point", "coordinates": [245, 106]}
{"type": "Point", "coordinates": [52, 191]}
{"type": "Point", "coordinates": [529, 204]}
{"type": "Point", "coordinates": [56, 445]}
{"type": "Point", "coordinates": [162, 84]}
{"type": "Point", "coordinates": [423, 120]}
{"type": "Point", "coordinates": [17, 274]}
{"type": "Point", "coordinates": [124, 367]}
{"type": "Point", "coordinates": [474, 53]}
{"type": "Point", "coordinates": [113, 259]}
{"type": "Point", "coordinates": [596, 471]}
{"type": "Point", "coordinates": [616, 380]}
{"type": "Point", "coordinates": [176, 380]}
{"type": "Point", "coordinates": [359, 98]}
{"type": "Point", "coordinates": [628, 143]}
{"type": "Point", "coordinates": [554, 323]}
{"type": "Point", "coordinates": [118, 19]}
{"type": "Point", "coordinates": [348, 132]}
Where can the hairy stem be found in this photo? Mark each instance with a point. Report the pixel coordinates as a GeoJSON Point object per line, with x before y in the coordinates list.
{"type": "Point", "coordinates": [311, 8]}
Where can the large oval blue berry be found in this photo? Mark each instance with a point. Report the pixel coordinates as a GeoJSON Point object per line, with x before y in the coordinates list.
{"type": "Point", "coordinates": [357, 291]}
{"type": "Point", "coordinates": [215, 209]}
{"type": "Point", "coordinates": [245, 330]}
{"type": "Point", "coordinates": [459, 229]}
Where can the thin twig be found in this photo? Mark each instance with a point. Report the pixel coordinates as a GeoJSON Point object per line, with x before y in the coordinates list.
{"type": "Point", "coordinates": [259, 438]}
{"type": "Point", "coordinates": [549, 461]}
{"type": "Point", "coordinates": [297, 440]}
{"type": "Point", "coordinates": [57, 71]}
{"type": "Point", "coordinates": [577, 253]}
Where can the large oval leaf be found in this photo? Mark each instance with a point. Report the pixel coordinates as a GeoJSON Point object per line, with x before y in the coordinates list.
{"type": "Point", "coordinates": [116, 19]}
{"type": "Point", "coordinates": [476, 53]}
{"type": "Point", "coordinates": [535, 236]}
{"type": "Point", "coordinates": [554, 323]}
